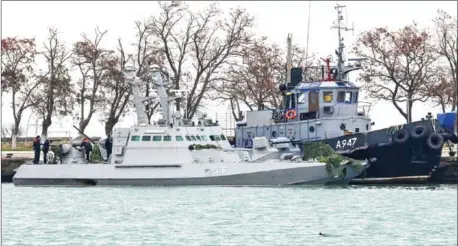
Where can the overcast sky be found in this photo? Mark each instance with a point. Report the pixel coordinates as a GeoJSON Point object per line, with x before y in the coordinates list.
{"type": "Point", "coordinates": [274, 19]}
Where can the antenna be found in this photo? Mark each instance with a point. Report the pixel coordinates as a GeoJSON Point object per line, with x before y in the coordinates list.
{"type": "Point", "coordinates": [339, 26]}
{"type": "Point", "coordinates": [308, 31]}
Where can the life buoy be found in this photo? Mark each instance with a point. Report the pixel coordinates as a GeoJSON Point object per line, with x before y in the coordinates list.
{"type": "Point", "coordinates": [400, 136]}
{"type": "Point", "coordinates": [290, 114]}
{"type": "Point", "coordinates": [435, 141]}
{"type": "Point", "coordinates": [418, 132]}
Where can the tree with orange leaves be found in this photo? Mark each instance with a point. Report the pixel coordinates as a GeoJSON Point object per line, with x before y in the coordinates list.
{"type": "Point", "coordinates": [398, 66]}
{"type": "Point", "coordinates": [18, 57]}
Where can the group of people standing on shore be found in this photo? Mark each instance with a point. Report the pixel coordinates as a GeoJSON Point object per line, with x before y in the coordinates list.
{"type": "Point", "coordinates": [86, 144]}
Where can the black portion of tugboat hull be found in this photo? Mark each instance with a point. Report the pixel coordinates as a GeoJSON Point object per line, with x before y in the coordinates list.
{"type": "Point", "coordinates": [396, 160]}
{"type": "Point", "coordinates": [391, 158]}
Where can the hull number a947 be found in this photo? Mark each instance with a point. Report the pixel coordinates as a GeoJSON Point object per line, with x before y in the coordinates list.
{"type": "Point", "coordinates": [346, 143]}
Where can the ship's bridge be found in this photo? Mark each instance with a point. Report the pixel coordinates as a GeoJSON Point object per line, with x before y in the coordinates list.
{"type": "Point", "coordinates": [319, 99]}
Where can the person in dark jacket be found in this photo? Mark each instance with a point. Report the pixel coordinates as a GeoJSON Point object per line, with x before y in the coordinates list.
{"type": "Point", "coordinates": [109, 146]}
{"type": "Point", "coordinates": [45, 150]}
{"type": "Point", "coordinates": [36, 148]}
{"type": "Point", "coordinates": [87, 147]}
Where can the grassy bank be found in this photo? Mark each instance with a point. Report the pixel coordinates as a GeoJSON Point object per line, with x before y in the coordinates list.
{"type": "Point", "coordinates": [25, 146]}
{"type": "Point", "coordinates": [20, 146]}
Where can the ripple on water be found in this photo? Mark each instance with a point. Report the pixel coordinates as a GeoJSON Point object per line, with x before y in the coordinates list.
{"type": "Point", "coordinates": [403, 215]}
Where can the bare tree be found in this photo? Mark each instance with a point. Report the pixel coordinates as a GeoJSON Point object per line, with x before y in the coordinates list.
{"type": "Point", "coordinates": [441, 89]}
{"type": "Point", "coordinates": [398, 65]}
{"type": "Point", "coordinates": [256, 76]}
{"type": "Point", "coordinates": [18, 55]}
{"type": "Point", "coordinates": [92, 62]}
{"type": "Point", "coordinates": [173, 40]}
{"type": "Point", "coordinates": [254, 79]}
{"type": "Point", "coordinates": [148, 53]}
{"type": "Point", "coordinates": [117, 92]}
{"type": "Point", "coordinates": [210, 52]}
{"type": "Point", "coordinates": [55, 95]}
{"type": "Point", "coordinates": [447, 48]}
{"type": "Point", "coordinates": [10, 130]}
{"type": "Point", "coordinates": [203, 39]}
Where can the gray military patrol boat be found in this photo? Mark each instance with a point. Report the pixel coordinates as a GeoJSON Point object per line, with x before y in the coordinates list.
{"type": "Point", "coordinates": [176, 151]}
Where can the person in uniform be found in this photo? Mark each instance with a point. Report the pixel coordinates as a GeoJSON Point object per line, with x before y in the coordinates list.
{"type": "Point", "coordinates": [109, 146]}
{"type": "Point", "coordinates": [45, 150]}
{"type": "Point", "coordinates": [87, 147]}
{"type": "Point", "coordinates": [36, 148]}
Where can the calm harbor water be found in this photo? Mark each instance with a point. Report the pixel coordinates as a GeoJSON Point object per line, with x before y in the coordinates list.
{"type": "Point", "coordinates": [402, 215]}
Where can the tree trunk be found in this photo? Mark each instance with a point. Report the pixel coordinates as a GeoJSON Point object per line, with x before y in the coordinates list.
{"type": "Point", "coordinates": [14, 141]}
{"type": "Point", "coordinates": [83, 124]}
{"type": "Point", "coordinates": [409, 115]}
{"type": "Point", "coordinates": [15, 133]}
{"type": "Point", "coordinates": [45, 126]}
{"type": "Point", "coordinates": [109, 125]}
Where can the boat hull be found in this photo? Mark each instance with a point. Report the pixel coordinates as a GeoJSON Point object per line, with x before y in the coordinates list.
{"type": "Point", "coordinates": [389, 158]}
{"type": "Point", "coordinates": [200, 174]}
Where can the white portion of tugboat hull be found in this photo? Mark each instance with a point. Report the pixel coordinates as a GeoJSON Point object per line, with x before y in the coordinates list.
{"type": "Point", "coordinates": [240, 174]}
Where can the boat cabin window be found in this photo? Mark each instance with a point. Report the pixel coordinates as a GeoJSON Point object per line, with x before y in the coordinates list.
{"type": "Point", "coordinates": [223, 137]}
{"type": "Point", "coordinates": [348, 97]}
{"type": "Point", "coordinates": [168, 138]}
{"type": "Point", "coordinates": [198, 138]}
{"type": "Point", "coordinates": [291, 100]}
{"type": "Point", "coordinates": [193, 138]}
{"type": "Point", "coordinates": [327, 96]}
{"type": "Point", "coordinates": [217, 138]}
{"type": "Point", "coordinates": [135, 138]}
{"type": "Point", "coordinates": [355, 97]}
{"type": "Point", "coordinates": [204, 138]}
{"type": "Point", "coordinates": [146, 138]}
{"type": "Point", "coordinates": [179, 138]}
{"type": "Point", "coordinates": [187, 138]}
{"type": "Point", "coordinates": [301, 98]}
{"type": "Point", "coordinates": [212, 138]}
{"type": "Point", "coordinates": [341, 96]}
{"type": "Point", "coordinates": [157, 138]}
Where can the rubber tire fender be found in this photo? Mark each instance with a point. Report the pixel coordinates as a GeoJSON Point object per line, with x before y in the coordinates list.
{"type": "Point", "coordinates": [435, 146]}
{"type": "Point", "coordinates": [401, 136]}
{"type": "Point", "coordinates": [418, 132]}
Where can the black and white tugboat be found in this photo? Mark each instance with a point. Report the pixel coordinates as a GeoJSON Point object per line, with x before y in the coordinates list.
{"type": "Point", "coordinates": [324, 107]}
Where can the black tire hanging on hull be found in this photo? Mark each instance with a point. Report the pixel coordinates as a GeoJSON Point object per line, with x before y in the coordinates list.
{"type": "Point", "coordinates": [401, 136]}
{"type": "Point", "coordinates": [418, 132]}
{"type": "Point", "coordinates": [435, 141]}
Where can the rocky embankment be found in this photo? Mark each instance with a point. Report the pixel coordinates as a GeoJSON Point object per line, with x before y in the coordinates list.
{"type": "Point", "coordinates": [9, 165]}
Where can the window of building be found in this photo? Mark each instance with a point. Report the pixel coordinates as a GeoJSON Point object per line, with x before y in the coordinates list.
{"type": "Point", "coordinates": [135, 138]}
{"type": "Point", "coordinates": [157, 138]}
{"type": "Point", "coordinates": [204, 138]}
{"type": "Point", "coordinates": [179, 138]}
{"type": "Point", "coordinates": [327, 96]}
{"type": "Point", "coordinates": [223, 137]}
{"type": "Point", "coordinates": [168, 138]}
{"type": "Point", "coordinates": [341, 96]}
{"type": "Point", "coordinates": [212, 138]}
{"type": "Point", "coordinates": [146, 138]}
{"type": "Point", "coordinates": [188, 138]}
